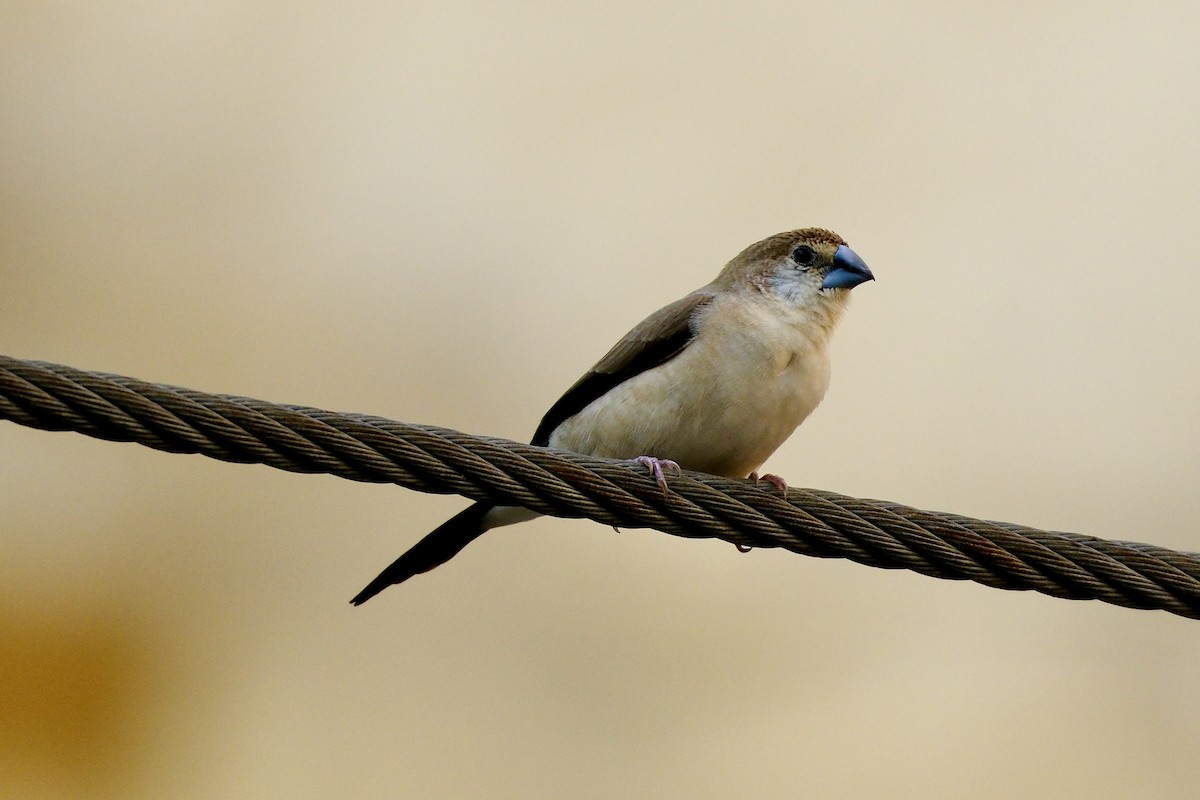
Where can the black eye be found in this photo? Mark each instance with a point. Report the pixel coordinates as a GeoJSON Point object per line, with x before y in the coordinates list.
{"type": "Point", "coordinates": [804, 256]}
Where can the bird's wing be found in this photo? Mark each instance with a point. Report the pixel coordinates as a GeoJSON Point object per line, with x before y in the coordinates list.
{"type": "Point", "coordinates": [658, 338]}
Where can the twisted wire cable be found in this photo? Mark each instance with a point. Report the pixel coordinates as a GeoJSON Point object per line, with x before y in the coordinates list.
{"type": "Point", "coordinates": [811, 522]}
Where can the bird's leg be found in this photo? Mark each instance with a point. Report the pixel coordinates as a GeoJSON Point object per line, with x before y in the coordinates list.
{"type": "Point", "coordinates": [775, 480]}
{"type": "Point", "coordinates": [655, 465]}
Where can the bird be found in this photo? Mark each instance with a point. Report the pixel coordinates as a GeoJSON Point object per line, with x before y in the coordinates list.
{"type": "Point", "coordinates": [714, 382]}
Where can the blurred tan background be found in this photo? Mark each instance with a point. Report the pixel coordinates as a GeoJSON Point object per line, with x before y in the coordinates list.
{"type": "Point", "coordinates": [443, 213]}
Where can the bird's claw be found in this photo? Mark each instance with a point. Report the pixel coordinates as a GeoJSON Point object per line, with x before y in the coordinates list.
{"type": "Point", "coordinates": [775, 480]}
{"type": "Point", "coordinates": [655, 465]}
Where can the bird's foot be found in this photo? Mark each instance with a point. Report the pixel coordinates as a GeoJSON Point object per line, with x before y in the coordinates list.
{"type": "Point", "coordinates": [655, 465]}
{"type": "Point", "coordinates": [775, 480]}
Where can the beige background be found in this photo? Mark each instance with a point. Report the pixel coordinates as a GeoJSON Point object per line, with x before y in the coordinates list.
{"type": "Point", "coordinates": [443, 213]}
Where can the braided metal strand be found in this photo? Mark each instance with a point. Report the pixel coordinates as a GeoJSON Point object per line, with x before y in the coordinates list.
{"type": "Point", "coordinates": [429, 459]}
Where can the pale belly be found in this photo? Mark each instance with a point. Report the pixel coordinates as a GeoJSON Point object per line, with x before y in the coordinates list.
{"type": "Point", "coordinates": [721, 408]}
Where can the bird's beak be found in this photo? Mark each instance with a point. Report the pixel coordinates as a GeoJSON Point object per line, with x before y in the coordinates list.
{"type": "Point", "coordinates": [848, 270]}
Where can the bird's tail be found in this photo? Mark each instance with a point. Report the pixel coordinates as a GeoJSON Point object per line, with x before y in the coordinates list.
{"type": "Point", "coordinates": [438, 547]}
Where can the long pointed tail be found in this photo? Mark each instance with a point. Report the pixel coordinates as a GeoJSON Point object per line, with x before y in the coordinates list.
{"type": "Point", "coordinates": [438, 547]}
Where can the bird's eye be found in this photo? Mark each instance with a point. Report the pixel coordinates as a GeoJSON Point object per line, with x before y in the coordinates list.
{"type": "Point", "coordinates": [804, 256]}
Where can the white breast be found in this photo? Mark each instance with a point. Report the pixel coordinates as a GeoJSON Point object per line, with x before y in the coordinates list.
{"type": "Point", "coordinates": [723, 405]}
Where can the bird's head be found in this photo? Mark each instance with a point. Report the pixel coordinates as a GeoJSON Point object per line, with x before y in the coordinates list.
{"type": "Point", "coordinates": [810, 268]}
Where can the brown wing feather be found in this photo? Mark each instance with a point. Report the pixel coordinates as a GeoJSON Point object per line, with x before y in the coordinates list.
{"type": "Point", "coordinates": [657, 339]}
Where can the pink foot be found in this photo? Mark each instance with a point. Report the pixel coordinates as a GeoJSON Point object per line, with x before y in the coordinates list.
{"type": "Point", "coordinates": [655, 466]}
{"type": "Point", "coordinates": [775, 480]}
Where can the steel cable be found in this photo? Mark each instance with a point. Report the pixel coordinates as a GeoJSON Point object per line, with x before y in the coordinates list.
{"type": "Point", "coordinates": [810, 522]}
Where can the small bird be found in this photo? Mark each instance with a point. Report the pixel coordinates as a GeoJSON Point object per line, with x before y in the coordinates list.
{"type": "Point", "coordinates": [713, 382]}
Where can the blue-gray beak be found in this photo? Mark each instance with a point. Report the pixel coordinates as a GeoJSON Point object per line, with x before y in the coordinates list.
{"type": "Point", "coordinates": [848, 270]}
